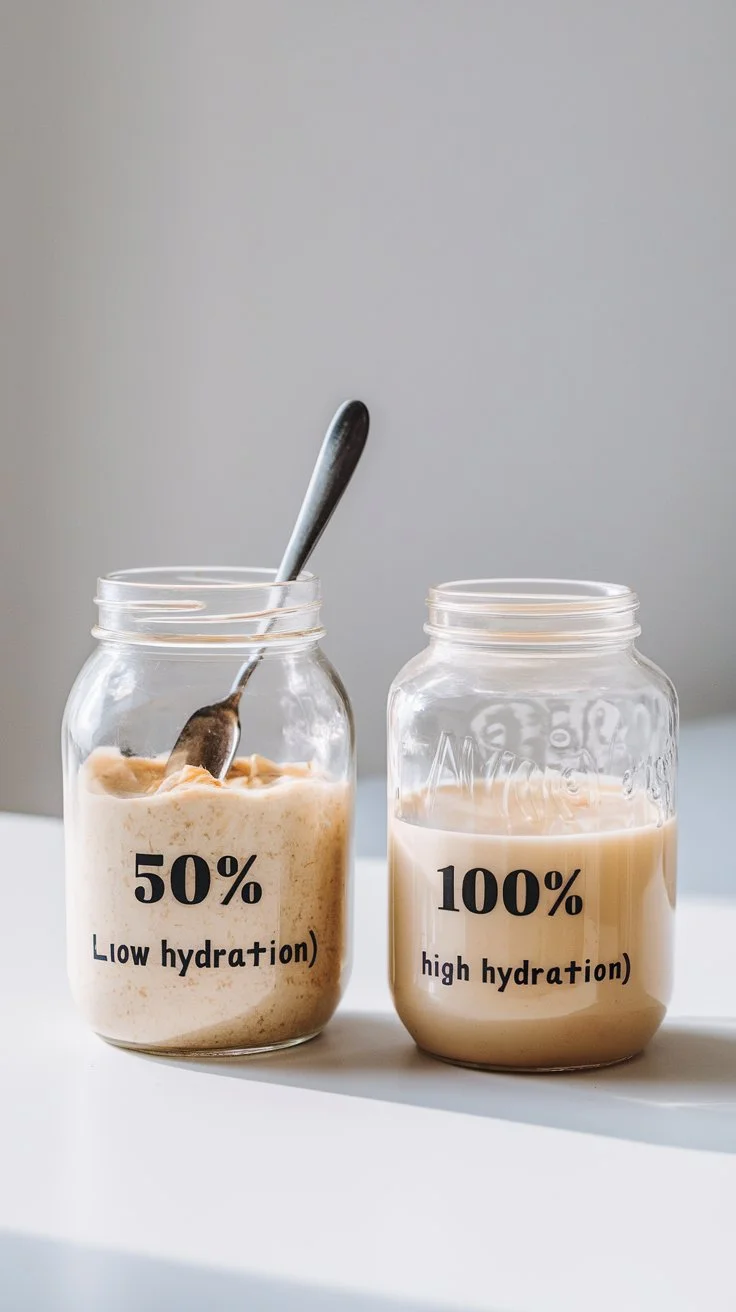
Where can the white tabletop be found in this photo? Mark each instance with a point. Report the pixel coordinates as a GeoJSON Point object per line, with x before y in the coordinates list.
{"type": "Point", "coordinates": [354, 1173]}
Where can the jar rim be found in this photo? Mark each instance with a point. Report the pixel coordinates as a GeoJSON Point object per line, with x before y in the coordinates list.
{"type": "Point", "coordinates": [195, 604]}
{"type": "Point", "coordinates": [534, 594]}
{"type": "Point", "coordinates": [242, 576]}
{"type": "Point", "coordinates": [538, 611]}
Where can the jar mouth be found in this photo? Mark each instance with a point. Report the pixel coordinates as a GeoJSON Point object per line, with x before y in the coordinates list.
{"type": "Point", "coordinates": [536, 612]}
{"type": "Point", "coordinates": [191, 605]}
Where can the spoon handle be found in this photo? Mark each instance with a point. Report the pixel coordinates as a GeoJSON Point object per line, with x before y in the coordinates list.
{"type": "Point", "coordinates": [335, 466]}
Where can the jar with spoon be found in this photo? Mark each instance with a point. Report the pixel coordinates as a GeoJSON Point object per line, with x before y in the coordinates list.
{"type": "Point", "coordinates": [208, 886]}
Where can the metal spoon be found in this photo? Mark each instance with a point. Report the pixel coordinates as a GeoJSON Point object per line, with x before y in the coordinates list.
{"type": "Point", "coordinates": [211, 735]}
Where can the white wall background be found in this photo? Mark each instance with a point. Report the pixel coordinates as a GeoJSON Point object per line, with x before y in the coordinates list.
{"type": "Point", "coordinates": [507, 224]}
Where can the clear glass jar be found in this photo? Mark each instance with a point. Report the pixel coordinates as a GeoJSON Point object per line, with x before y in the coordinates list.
{"type": "Point", "coordinates": [204, 917]}
{"type": "Point", "coordinates": [532, 832]}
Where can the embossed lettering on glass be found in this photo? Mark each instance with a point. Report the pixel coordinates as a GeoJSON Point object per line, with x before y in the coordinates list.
{"type": "Point", "coordinates": [207, 916]}
{"type": "Point", "coordinates": [532, 828]}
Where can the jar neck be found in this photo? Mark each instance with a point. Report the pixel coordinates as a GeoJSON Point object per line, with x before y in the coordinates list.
{"type": "Point", "coordinates": [533, 617]}
{"type": "Point", "coordinates": [274, 650]}
{"type": "Point", "coordinates": [461, 650]}
{"type": "Point", "coordinates": [195, 608]}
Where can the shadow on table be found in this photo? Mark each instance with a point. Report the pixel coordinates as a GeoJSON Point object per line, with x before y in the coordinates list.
{"type": "Point", "coordinates": [681, 1092]}
{"type": "Point", "coordinates": [67, 1277]}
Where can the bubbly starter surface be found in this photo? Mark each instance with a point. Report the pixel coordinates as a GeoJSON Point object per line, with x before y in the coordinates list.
{"type": "Point", "coordinates": [524, 936]}
{"type": "Point", "coordinates": [206, 915]}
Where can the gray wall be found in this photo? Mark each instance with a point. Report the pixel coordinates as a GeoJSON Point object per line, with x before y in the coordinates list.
{"type": "Point", "coordinates": [508, 226]}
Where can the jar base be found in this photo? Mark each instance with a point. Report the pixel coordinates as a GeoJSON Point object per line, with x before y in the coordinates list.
{"type": "Point", "coordinates": [499, 1069]}
{"type": "Point", "coordinates": [208, 1054]}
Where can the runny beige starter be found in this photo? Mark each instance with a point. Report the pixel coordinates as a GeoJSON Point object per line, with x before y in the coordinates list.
{"type": "Point", "coordinates": [205, 916]}
{"type": "Point", "coordinates": [524, 938]}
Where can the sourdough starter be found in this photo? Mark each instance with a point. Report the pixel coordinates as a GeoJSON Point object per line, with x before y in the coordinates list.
{"type": "Point", "coordinates": [485, 972]}
{"type": "Point", "coordinates": [153, 864]}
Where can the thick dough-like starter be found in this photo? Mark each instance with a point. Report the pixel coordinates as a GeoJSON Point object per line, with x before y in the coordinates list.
{"type": "Point", "coordinates": [295, 821]}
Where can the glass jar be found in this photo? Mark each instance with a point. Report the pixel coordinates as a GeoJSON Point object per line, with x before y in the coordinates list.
{"type": "Point", "coordinates": [208, 917]}
{"type": "Point", "coordinates": [532, 832]}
